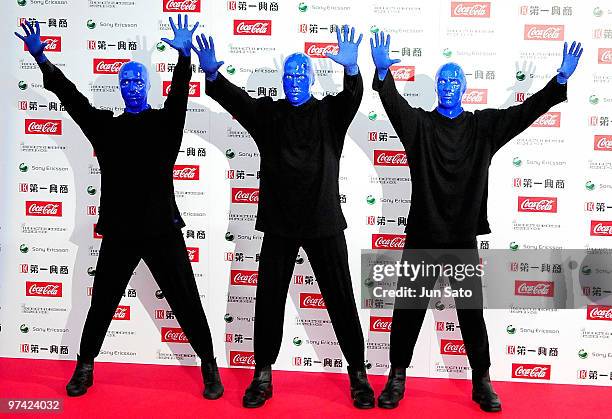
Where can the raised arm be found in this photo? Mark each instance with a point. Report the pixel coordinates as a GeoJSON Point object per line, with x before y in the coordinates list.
{"type": "Point", "coordinates": [76, 104]}
{"type": "Point", "coordinates": [403, 117]}
{"type": "Point", "coordinates": [345, 104]}
{"type": "Point", "coordinates": [176, 102]}
{"type": "Point", "coordinates": [505, 124]}
{"type": "Point", "coordinates": [233, 99]}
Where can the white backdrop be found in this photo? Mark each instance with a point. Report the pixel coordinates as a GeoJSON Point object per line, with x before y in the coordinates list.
{"type": "Point", "coordinates": [508, 49]}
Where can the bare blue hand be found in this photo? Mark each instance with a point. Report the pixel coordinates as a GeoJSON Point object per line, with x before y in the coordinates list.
{"type": "Point", "coordinates": [32, 40]}
{"type": "Point", "coordinates": [347, 50]}
{"type": "Point", "coordinates": [206, 55]}
{"type": "Point", "coordinates": [570, 61]}
{"type": "Point", "coordinates": [380, 54]}
{"type": "Point", "coordinates": [182, 36]}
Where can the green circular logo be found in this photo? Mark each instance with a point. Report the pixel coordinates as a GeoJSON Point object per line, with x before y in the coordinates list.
{"type": "Point", "coordinates": [440, 305]}
{"type": "Point", "coordinates": [22, 85]}
{"type": "Point", "coordinates": [302, 7]}
{"type": "Point", "coordinates": [369, 282]}
{"type": "Point", "coordinates": [589, 186]}
{"type": "Point", "coordinates": [520, 76]}
{"type": "Point", "coordinates": [23, 167]}
{"type": "Point", "coordinates": [297, 341]}
{"type": "Point", "coordinates": [593, 100]}
{"type": "Point", "coordinates": [229, 153]}
{"type": "Point", "coordinates": [510, 329]}
{"type": "Point", "coordinates": [91, 190]}
{"type": "Point", "coordinates": [299, 260]}
{"type": "Point", "coordinates": [370, 200]}
{"type": "Point", "coordinates": [91, 24]}
{"type": "Point", "coordinates": [582, 354]}
{"type": "Point", "coordinates": [24, 329]}
{"type": "Point", "coordinates": [22, 2]}
{"type": "Point", "coordinates": [159, 294]}
{"type": "Point", "coordinates": [586, 270]}
{"type": "Point", "coordinates": [517, 162]}
{"type": "Point", "coordinates": [374, 29]}
{"type": "Point", "coordinates": [23, 248]}
{"type": "Point", "coordinates": [368, 365]}
{"type": "Point", "coordinates": [514, 246]}
{"type": "Point", "coordinates": [597, 12]}
{"type": "Point", "coordinates": [230, 69]}
{"type": "Point", "coordinates": [229, 236]}
{"type": "Point", "coordinates": [228, 318]}
{"type": "Point", "coordinates": [372, 116]}
{"type": "Point", "coordinates": [447, 52]}
{"type": "Point", "coordinates": [160, 46]}
{"type": "Point", "coordinates": [91, 271]}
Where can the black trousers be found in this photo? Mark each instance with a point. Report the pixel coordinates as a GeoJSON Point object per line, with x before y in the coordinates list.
{"type": "Point", "coordinates": [329, 260]}
{"type": "Point", "coordinates": [167, 258]}
{"type": "Point", "coordinates": [408, 319]}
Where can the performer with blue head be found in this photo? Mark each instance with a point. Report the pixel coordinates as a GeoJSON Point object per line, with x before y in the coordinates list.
{"type": "Point", "coordinates": [449, 151]}
{"type": "Point", "coordinates": [300, 139]}
{"type": "Point", "coordinates": [139, 218]}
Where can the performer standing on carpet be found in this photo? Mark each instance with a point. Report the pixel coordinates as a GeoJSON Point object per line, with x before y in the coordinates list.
{"type": "Point", "coordinates": [300, 139]}
{"type": "Point", "coordinates": [449, 151]}
{"type": "Point", "coordinates": [138, 214]}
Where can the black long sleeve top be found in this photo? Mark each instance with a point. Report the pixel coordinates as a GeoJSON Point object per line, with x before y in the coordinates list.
{"type": "Point", "coordinates": [136, 153]}
{"type": "Point", "coordinates": [449, 159]}
{"type": "Point", "coordinates": [300, 149]}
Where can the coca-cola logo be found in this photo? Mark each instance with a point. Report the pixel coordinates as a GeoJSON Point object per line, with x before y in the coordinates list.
{"type": "Point", "coordinates": [402, 72]}
{"type": "Point", "coordinates": [43, 126]}
{"type": "Point", "coordinates": [194, 254]}
{"type": "Point", "coordinates": [43, 289]}
{"type": "Point", "coordinates": [598, 312]}
{"type": "Point", "coordinates": [531, 371]}
{"type": "Point", "coordinates": [54, 43]}
{"type": "Point", "coordinates": [253, 27]}
{"type": "Point", "coordinates": [452, 347]}
{"type": "Point", "coordinates": [601, 228]}
{"type": "Point", "coordinates": [388, 241]}
{"type": "Point", "coordinates": [380, 324]}
{"type": "Point", "coordinates": [537, 204]}
{"type": "Point", "coordinates": [470, 9]}
{"type": "Point", "coordinates": [242, 359]}
{"type": "Point", "coordinates": [122, 313]}
{"type": "Point", "coordinates": [194, 88]}
{"type": "Point", "coordinates": [310, 300]}
{"type": "Point", "coordinates": [245, 195]}
{"type": "Point", "coordinates": [548, 120]}
{"type": "Point", "coordinates": [475, 97]}
{"type": "Point", "coordinates": [390, 158]}
{"type": "Point", "coordinates": [604, 55]}
{"type": "Point", "coordinates": [603, 143]}
{"type": "Point", "coordinates": [43, 209]}
{"type": "Point", "coordinates": [186, 6]}
{"type": "Point", "coordinates": [242, 277]}
{"type": "Point", "coordinates": [108, 65]}
{"type": "Point", "coordinates": [544, 32]}
{"type": "Point", "coordinates": [186, 172]}
{"type": "Point", "coordinates": [319, 49]}
{"type": "Point", "coordinates": [534, 288]}
{"type": "Point", "coordinates": [173, 335]}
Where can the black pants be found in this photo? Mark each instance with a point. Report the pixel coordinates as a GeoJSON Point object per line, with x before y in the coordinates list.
{"type": "Point", "coordinates": [407, 321]}
{"type": "Point", "coordinates": [167, 258]}
{"type": "Point", "coordinates": [329, 260]}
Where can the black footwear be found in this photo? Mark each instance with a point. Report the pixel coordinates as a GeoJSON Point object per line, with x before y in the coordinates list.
{"type": "Point", "coordinates": [361, 392]}
{"type": "Point", "coordinates": [483, 393]}
{"type": "Point", "coordinates": [260, 388]}
{"type": "Point", "coordinates": [213, 389]}
{"type": "Point", "coordinates": [82, 378]}
{"type": "Point", "coordinates": [394, 389]}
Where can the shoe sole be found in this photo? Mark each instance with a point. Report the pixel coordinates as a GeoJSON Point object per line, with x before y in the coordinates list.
{"type": "Point", "coordinates": [268, 396]}
{"type": "Point", "coordinates": [389, 405]}
{"type": "Point", "coordinates": [87, 385]}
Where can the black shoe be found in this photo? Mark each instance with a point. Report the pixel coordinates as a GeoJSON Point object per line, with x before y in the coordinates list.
{"type": "Point", "coordinates": [483, 393]}
{"type": "Point", "coordinates": [361, 392]}
{"type": "Point", "coordinates": [394, 389]}
{"type": "Point", "coordinates": [260, 388]}
{"type": "Point", "coordinates": [82, 378]}
{"type": "Point", "coordinates": [213, 389]}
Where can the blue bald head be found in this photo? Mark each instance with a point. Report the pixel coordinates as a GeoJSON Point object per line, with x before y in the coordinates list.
{"type": "Point", "coordinates": [450, 87]}
{"type": "Point", "coordinates": [298, 77]}
{"type": "Point", "coordinates": [134, 84]}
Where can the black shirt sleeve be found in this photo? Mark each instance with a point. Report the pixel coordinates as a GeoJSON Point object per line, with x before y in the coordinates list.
{"type": "Point", "coordinates": [87, 117]}
{"type": "Point", "coordinates": [346, 103]}
{"type": "Point", "coordinates": [403, 117]}
{"type": "Point", "coordinates": [238, 103]}
{"type": "Point", "coordinates": [176, 102]}
{"type": "Point", "coordinates": [502, 125]}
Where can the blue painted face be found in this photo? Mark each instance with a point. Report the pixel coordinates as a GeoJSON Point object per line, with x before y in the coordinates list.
{"type": "Point", "coordinates": [298, 77]}
{"type": "Point", "coordinates": [450, 87]}
{"type": "Point", "coordinates": [134, 84]}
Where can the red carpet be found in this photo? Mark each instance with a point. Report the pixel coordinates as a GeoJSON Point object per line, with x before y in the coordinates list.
{"type": "Point", "coordinates": [151, 391]}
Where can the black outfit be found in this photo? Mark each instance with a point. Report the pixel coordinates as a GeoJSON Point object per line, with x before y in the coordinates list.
{"type": "Point", "coordinates": [138, 214]}
{"type": "Point", "coordinates": [299, 205]}
{"type": "Point", "coordinates": [449, 164]}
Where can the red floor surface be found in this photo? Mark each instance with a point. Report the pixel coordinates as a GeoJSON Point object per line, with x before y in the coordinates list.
{"type": "Point", "coordinates": [152, 391]}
